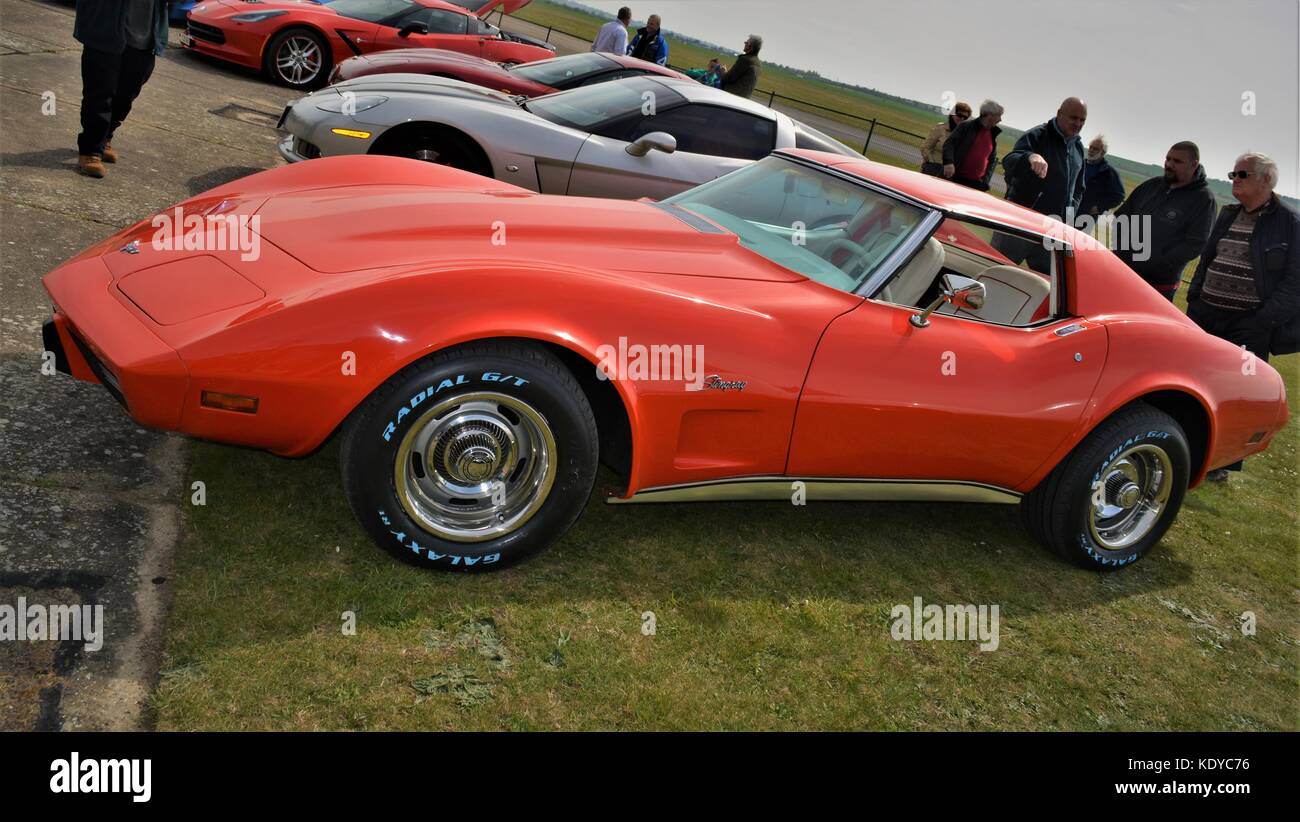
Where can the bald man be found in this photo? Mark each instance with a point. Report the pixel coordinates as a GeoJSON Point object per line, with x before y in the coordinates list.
{"type": "Point", "coordinates": [1045, 169]}
{"type": "Point", "coordinates": [1045, 172]}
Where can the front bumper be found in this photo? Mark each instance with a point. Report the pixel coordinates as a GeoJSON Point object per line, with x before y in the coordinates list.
{"type": "Point", "coordinates": [96, 338]}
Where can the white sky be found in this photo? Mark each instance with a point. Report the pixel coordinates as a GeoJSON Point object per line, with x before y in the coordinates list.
{"type": "Point", "coordinates": [1152, 71]}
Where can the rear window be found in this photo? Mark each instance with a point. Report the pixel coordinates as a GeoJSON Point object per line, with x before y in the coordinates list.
{"type": "Point", "coordinates": [814, 140]}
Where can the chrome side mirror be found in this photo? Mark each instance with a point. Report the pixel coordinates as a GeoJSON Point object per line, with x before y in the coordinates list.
{"type": "Point", "coordinates": [961, 292]}
{"type": "Point", "coordinates": [658, 140]}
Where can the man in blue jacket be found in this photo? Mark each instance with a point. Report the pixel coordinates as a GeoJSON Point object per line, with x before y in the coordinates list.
{"type": "Point", "coordinates": [649, 43]}
{"type": "Point", "coordinates": [120, 40]}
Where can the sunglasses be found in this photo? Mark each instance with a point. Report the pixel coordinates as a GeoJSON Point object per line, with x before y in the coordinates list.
{"type": "Point", "coordinates": [1232, 175]}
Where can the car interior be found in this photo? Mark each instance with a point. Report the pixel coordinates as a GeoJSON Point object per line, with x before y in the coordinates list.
{"type": "Point", "coordinates": [1013, 295]}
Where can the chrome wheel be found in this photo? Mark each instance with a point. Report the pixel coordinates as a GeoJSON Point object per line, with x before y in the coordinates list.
{"type": "Point", "coordinates": [475, 467]}
{"type": "Point", "coordinates": [428, 155]}
{"type": "Point", "coordinates": [298, 60]}
{"type": "Point", "coordinates": [1130, 497]}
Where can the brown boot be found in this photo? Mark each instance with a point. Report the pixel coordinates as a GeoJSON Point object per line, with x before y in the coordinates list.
{"type": "Point", "coordinates": [90, 165]}
{"type": "Point", "coordinates": [110, 156]}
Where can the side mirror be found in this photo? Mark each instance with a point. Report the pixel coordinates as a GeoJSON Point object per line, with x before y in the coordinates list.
{"type": "Point", "coordinates": [658, 140]}
{"type": "Point", "coordinates": [960, 292]}
{"type": "Point", "coordinates": [413, 28]}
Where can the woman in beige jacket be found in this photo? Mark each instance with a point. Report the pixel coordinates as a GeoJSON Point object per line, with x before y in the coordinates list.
{"type": "Point", "coordinates": [932, 148]}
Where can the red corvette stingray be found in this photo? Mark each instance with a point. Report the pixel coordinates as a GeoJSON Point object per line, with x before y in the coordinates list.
{"type": "Point", "coordinates": [528, 79]}
{"type": "Point", "coordinates": [810, 327]}
{"type": "Point", "coordinates": [296, 42]}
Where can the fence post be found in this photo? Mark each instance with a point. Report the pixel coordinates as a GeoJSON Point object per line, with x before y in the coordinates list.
{"type": "Point", "coordinates": [548, 33]}
{"type": "Point", "coordinates": [870, 132]}
{"type": "Point", "coordinates": [770, 97]}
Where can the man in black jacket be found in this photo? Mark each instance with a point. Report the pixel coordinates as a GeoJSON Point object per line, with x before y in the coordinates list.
{"type": "Point", "coordinates": [120, 39]}
{"type": "Point", "coordinates": [1178, 211]}
{"type": "Point", "coordinates": [741, 78]}
{"type": "Point", "coordinates": [1044, 172]}
{"type": "Point", "coordinates": [971, 151]}
{"type": "Point", "coordinates": [1247, 286]}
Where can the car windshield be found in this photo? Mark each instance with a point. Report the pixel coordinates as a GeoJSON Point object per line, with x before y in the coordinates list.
{"type": "Point", "coordinates": [372, 11]}
{"type": "Point", "coordinates": [829, 229]}
{"type": "Point", "coordinates": [588, 107]}
{"type": "Point", "coordinates": [557, 70]}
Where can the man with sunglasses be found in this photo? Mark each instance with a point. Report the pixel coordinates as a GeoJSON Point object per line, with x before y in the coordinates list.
{"type": "Point", "coordinates": [1247, 285]}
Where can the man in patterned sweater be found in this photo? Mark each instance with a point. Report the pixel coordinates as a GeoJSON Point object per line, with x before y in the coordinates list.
{"type": "Point", "coordinates": [1247, 286]}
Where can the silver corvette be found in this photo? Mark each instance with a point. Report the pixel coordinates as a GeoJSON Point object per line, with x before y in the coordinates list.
{"type": "Point", "coordinates": [635, 137]}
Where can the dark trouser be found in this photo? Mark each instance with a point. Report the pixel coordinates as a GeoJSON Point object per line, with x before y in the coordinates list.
{"type": "Point", "coordinates": [978, 185]}
{"type": "Point", "coordinates": [1237, 327]}
{"type": "Point", "coordinates": [1019, 251]}
{"type": "Point", "coordinates": [109, 85]}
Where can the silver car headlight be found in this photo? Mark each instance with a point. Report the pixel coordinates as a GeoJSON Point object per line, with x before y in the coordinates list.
{"type": "Point", "coordinates": [348, 103]}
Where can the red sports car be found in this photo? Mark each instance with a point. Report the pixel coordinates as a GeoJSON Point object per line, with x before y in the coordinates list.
{"type": "Point", "coordinates": [296, 42]}
{"type": "Point", "coordinates": [527, 79]}
{"type": "Point", "coordinates": [809, 328]}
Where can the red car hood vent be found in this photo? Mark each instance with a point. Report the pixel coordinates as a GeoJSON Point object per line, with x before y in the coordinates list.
{"type": "Point", "coordinates": [337, 230]}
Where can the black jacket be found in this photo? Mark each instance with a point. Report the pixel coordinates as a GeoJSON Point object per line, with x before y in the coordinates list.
{"type": "Point", "coordinates": [1046, 196]}
{"type": "Point", "coordinates": [101, 24]}
{"type": "Point", "coordinates": [1181, 219]}
{"type": "Point", "coordinates": [741, 78]}
{"type": "Point", "coordinates": [959, 142]}
{"type": "Point", "coordinates": [1103, 191]}
{"type": "Point", "coordinates": [1275, 248]}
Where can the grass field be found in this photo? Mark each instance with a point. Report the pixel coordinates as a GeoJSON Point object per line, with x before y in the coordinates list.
{"type": "Point", "coordinates": [766, 616]}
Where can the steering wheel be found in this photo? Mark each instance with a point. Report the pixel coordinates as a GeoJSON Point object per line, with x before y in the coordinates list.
{"type": "Point", "coordinates": [857, 259]}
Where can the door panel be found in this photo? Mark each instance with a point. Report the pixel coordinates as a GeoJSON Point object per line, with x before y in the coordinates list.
{"type": "Point", "coordinates": [958, 400]}
{"type": "Point", "coordinates": [603, 168]}
{"type": "Point", "coordinates": [447, 30]}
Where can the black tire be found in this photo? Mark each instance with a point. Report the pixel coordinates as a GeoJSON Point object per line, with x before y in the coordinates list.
{"type": "Point", "coordinates": [1068, 512]}
{"type": "Point", "coordinates": [436, 145]}
{"type": "Point", "coordinates": [290, 77]}
{"type": "Point", "coordinates": [453, 419]}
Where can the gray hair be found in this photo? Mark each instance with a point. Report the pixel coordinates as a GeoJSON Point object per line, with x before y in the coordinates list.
{"type": "Point", "coordinates": [1100, 138]}
{"type": "Point", "coordinates": [991, 107]}
{"type": "Point", "coordinates": [1264, 166]}
{"type": "Point", "coordinates": [756, 42]}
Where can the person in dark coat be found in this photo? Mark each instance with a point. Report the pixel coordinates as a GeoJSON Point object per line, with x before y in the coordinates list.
{"type": "Point", "coordinates": [1102, 189]}
{"type": "Point", "coordinates": [1044, 172]}
{"type": "Point", "coordinates": [1180, 209]}
{"type": "Point", "coordinates": [741, 78]}
{"type": "Point", "coordinates": [1246, 289]}
{"type": "Point", "coordinates": [971, 151]}
{"type": "Point", "coordinates": [120, 40]}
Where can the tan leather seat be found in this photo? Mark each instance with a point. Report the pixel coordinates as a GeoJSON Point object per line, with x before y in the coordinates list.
{"type": "Point", "coordinates": [912, 282]}
{"type": "Point", "coordinates": [1011, 296]}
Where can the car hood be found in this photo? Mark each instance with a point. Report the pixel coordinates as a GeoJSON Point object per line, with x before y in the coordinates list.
{"type": "Point", "coordinates": [264, 5]}
{"type": "Point", "coordinates": [429, 57]}
{"type": "Point", "coordinates": [508, 6]}
{"type": "Point", "coordinates": [398, 83]}
{"type": "Point", "coordinates": [352, 228]}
